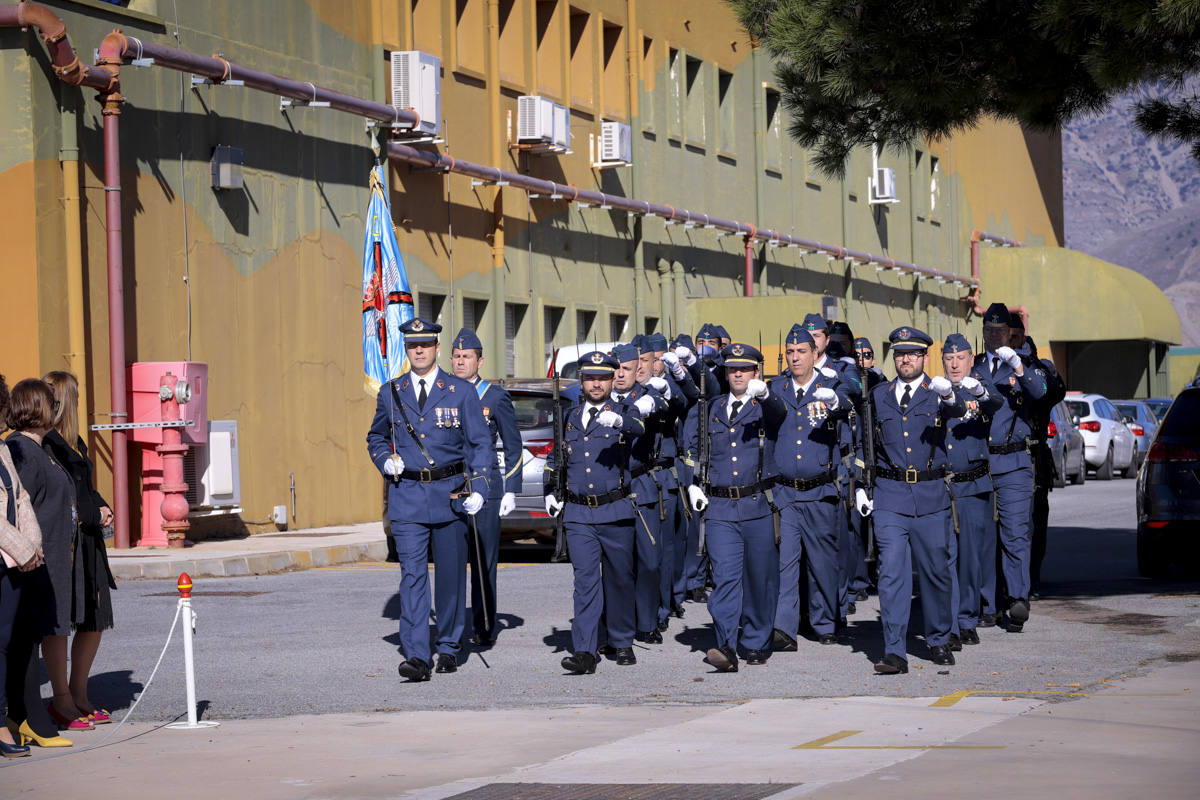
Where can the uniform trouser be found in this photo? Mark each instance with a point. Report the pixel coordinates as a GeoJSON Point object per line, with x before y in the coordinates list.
{"type": "Point", "coordinates": [745, 564]}
{"type": "Point", "coordinates": [1014, 500]}
{"type": "Point", "coordinates": [668, 538]}
{"type": "Point", "coordinates": [681, 527]}
{"type": "Point", "coordinates": [648, 544]}
{"type": "Point", "coordinates": [483, 567]}
{"type": "Point", "coordinates": [902, 540]}
{"type": "Point", "coordinates": [387, 525]}
{"type": "Point", "coordinates": [695, 563]}
{"type": "Point", "coordinates": [1041, 520]}
{"type": "Point", "coordinates": [952, 560]}
{"type": "Point", "coordinates": [809, 529]}
{"type": "Point", "coordinates": [602, 557]}
{"type": "Point", "coordinates": [975, 529]}
{"type": "Point", "coordinates": [860, 576]}
{"type": "Point", "coordinates": [449, 540]}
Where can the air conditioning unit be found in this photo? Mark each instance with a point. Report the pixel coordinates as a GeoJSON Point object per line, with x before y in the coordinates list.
{"type": "Point", "coordinates": [211, 470]}
{"type": "Point", "coordinates": [616, 142]}
{"type": "Point", "coordinates": [417, 84]}
{"type": "Point", "coordinates": [883, 186]}
{"type": "Point", "coordinates": [542, 121]}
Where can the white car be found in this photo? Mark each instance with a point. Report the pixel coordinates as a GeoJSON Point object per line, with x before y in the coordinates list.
{"type": "Point", "coordinates": [566, 359]}
{"type": "Point", "coordinates": [1108, 444]}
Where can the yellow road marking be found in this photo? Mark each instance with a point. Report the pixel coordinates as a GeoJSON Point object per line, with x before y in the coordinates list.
{"type": "Point", "coordinates": [948, 700]}
{"type": "Point", "coordinates": [824, 744]}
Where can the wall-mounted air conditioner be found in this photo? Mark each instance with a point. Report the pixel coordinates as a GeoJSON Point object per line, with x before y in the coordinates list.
{"type": "Point", "coordinates": [542, 121]}
{"type": "Point", "coordinates": [616, 143]}
{"type": "Point", "coordinates": [211, 470]}
{"type": "Point", "coordinates": [883, 186]}
{"type": "Point", "coordinates": [417, 84]}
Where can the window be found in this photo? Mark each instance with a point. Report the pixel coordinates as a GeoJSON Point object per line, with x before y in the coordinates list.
{"type": "Point", "coordinates": [514, 316]}
{"type": "Point", "coordinates": [550, 54]}
{"type": "Point", "coordinates": [697, 100]}
{"type": "Point", "coordinates": [473, 311]}
{"type": "Point", "coordinates": [429, 306]}
{"type": "Point", "coordinates": [616, 327]}
{"type": "Point", "coordinates": [583, 58]}
{"type": "Point", "coordinates": [649, 70]}
{"type": "Point", "coordinates": [651, 324]}
{"type": "Point", "coordinates": [615, 84]}
{"type": "Point", "coordinates": [583, 326]}
{"type": "Point", "coordinates": [725, 111]}
{"type": "Point", "coordinates": [935, 176]}
{"type": "Point", "coordinates": [918, 198]}
{"type": "Point", "coordinates": [774, 132]}
{"type": "Point", "coordinates": [427, 26]}
{"type": "Point", "coordinates": [512, 41]}
{"type": "Point", "coordinates": [551, 322]}
{"type": "Point", "coordinates": [675, 95]}
{"type": "Point", "coordinates": [469, 32]}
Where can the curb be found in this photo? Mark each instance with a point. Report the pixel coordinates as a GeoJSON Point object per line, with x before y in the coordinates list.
{"type": "Point", "coordinates": [153, 568]}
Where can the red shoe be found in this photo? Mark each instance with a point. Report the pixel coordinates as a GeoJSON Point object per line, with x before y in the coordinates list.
{"type": "Point", "coordinates": [98, 717]}
{"type": "Point", "coordinates": [77, 724]}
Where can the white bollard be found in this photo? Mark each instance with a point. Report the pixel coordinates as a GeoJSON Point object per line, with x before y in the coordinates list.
{"type": "Point", "coordinates": [189, 668]}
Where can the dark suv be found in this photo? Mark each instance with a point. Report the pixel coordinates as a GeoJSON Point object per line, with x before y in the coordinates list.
{"type": "Point", "coordinates": [1168, 491]}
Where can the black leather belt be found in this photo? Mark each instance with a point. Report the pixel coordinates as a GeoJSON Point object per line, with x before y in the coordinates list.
{"type": "Point", "coordinates": [1006, 449]}
{"type": "Point", "coordinates": [597, 500]}
{"type": "Point", "coordinates": [738, 492]}
{"type": "Point", "coordinates": [970, 474]}
{"type": "Point", "coordinates": [911, 475]}
{"type": "Point", "coordinates": [639, 471]}
{"type": "Point", "coordinates": [804, 484]}
{"type": "Point", "coordinates": [435, 474]}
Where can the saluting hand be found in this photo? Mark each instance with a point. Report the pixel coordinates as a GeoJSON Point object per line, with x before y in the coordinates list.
{"type": "Point", "coordinates": [943, 388]}
{"type": "Point", "coordinates": [828, 373]}
{"type": "Point", "coordinates": [685, 355]}
{"type": "Point", "coordinates": [756, 388]}
{"type": "Point", "coordinates": [644, 404]}
{"type": "Point", "coordinates": [672, 363]}
{"type": "Point", "coordinates": [1010, 357]}
{"type": "Point", "coordinates": [660, 385]}
{"type": "Point", "coordinates": [973, 386]}
{"type": "Point", "coordinates": [610, 419]}
{"type": "Point", "coordinates": [827, 396]}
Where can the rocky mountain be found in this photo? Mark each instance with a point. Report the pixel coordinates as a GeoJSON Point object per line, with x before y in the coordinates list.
{"type": "Point", "coordinates": [1135, 201]}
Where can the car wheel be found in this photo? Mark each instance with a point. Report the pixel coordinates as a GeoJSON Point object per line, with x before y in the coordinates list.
{"type": "Point", "coordinates": [1104, 472]}
{"type": "Point", "coordinates": [1081, 476]}
{"type": "Point", "coordinates": [1060, 475]}
{"type": "Point", "coordinates": [1153, 561]}
{"type": "Point", "coordinates": [1132, 470]}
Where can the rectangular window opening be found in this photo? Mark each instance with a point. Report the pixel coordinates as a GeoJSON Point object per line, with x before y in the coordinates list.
{"type": "Point", "coordinates": [584, 320]}
{"type": "Point", "coordinates": [582, 58]}
{"type": "Point", "coordinates": [616, 327]}
{"type": "Point", "coordinates": [551, 63]}
{"type": "Point", "coordinates": [552, 317]}
{"type": "Point", "coordinates": [726, 108]}
{"type": "Point", "coordinates": [514, 317]}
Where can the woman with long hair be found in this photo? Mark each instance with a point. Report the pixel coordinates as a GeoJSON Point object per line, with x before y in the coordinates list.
{"type": "Point", "coordinates": [92, 580]}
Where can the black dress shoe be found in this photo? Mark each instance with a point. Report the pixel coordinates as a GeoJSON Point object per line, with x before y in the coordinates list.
{"type": "Point", "coordinates": [988, 620]}
{"type": "Point", "coordinates": [781, 642]}
{"type": "Point", "coordinates": [414, 669]}
{"type": "Point", "coordinates": [666, 623]}
{"type": "Point", "coordinates": [851, 608]}
{"type": "Point", "coordinates": [676, 610]}
{"type": "Point", "coordinates": [483, 640]}
{"type": "Point", "coordinates": [940, 654]}
{"type": "Point", "coordinates": [446, 663]}
{"type": "Point", "coordinates": [649, 637]}
{"type": "Point", "coordinates": [625, 655]}
{"type": "Point", "coordinates": [723, 658]}
{"type": "Point", "coordinates": [1018, 610]}
{"type": "Point", "coordinates": [969, 636]}
{"type": "Point", "coordinates": [392, 558]}
{"type": "Point", "coordinates": [861, 596]}
{"type": "Point", "coordinates": [1012, 626]}
{"type": "Point", "coordinates": [756, 657]}
{"type": "Point", "coordinates": [580, 663]}
{"type": "Point", "coordinates": [955, 642]}
{"type": "Point", "coordinates": [606, 650]}
{"type": "Point", "coordinates": [698, 596]}
{"type": "Point", "coordinates": [827, 638]}
{"type": "Point", "coordinates": [842, 624]}
{"type": "Point", "coordinates": [891, 664]}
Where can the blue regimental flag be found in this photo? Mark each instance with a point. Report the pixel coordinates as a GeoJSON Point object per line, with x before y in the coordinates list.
{"type": "Point", "coordinates": [387, 302]}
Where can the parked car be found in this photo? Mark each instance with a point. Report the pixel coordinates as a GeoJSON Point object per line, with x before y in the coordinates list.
{"type": "Point", "coordinates": [1159, 406]}
{"type": "Point", "coordinates": [1168, 491]}
{"type": "Point", "coordinates": [533, 400]}
{"type": "Point", "coordinates": [1108, 442]}
{"type": "Point", "coordinates": [566, 359]}
{"type": "Point", "coordinates": [1066, 446]}
{"type": "Point", "coordinates": [1142, 421]}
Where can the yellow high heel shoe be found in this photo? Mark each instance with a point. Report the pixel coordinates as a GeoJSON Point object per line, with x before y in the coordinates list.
{"type": "Point", "coordinates": [23, 734]}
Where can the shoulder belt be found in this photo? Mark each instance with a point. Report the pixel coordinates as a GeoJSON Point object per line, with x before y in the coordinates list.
{"type": "Point", "coordinates": [482, 387]}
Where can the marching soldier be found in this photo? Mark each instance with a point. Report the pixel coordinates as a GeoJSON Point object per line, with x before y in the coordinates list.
{"type": "Point", "coordinates": [1019, 385]}
{"type": "Point", "coordinates": [483, 546]}
{"type": "Point", "coordinates": [973, 538]}
{"type": "Point", "coordinates": [864, 356]}
{"type": "Point", "coordinates": [1043, 460]}
{"type": "Point", "coordinates": [807, 468]}
{"type": "Point", "coordinates": [598, 514]}
{"type": "Point", "coordinates": [427, 438]}
{"type": "Point", "coordinates": [911, 503]}
{"type": "Point", "coordinates": [742, 429]}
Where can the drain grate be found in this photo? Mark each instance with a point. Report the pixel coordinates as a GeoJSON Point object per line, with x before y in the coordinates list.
{"type": "Point", "coordinates": [624, 791]}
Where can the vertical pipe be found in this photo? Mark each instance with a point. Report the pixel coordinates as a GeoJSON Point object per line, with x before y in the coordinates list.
{"type": "Point", "coordinates": [748, 277]}
{"type": "Point", "coordinates": [495, 131]}
{"type": "Point", "coordinates": [760, 122]}
{"type": "Point", "coordinates": [72, 238]}
{"type": "Point", "coordinates": [666, 293]}
{"type": "Point", "coordinates": [680, 300]}
{"type": "Point", "coordinates": [116, 313]}
{"type": "Point", "coordinates": [633, 95]}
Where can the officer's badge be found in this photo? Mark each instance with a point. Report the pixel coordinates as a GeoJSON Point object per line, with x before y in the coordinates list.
{"type": "Point", "coordinates": [810, 326]}
{"type": "Point", "coordinates": [818, 412]}
{"type": "Point", "coordinates": [417, 325]}
{"type": "Point", "coordinates": [441, 384]}
{"type": "Point", "coordinates": [438, 411]}
{"type": "Point", "coordinates": [486, 412]}
{"type": "Point", "coordinates": [905, 333]}
{"type": "Point", "coordinates": [459, 344]}
{"type": "Point", "coordinates": [737, 350]}
{"type": "Point", "coordinates": [1012, 381]}
{"type": "Point", "coordinates": [452, 388]}
{"type": "Point", "coordinates": [597, 358]}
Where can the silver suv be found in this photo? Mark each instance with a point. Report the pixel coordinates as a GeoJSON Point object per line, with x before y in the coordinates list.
{"type": "Point", "coordinates": [1108, 444]}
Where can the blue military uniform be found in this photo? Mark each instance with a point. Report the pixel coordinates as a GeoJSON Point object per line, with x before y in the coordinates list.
{"type": "Point", "coordinates": [1012, 468]}
{"type": "Point", "coordinates": [912, 507]}
{"type": "Point", "coordinates": [598, 516]}
{"type": "Point", "coordinates": [739, 518]}
{"type": "Point", "coordinates": [860, 573]}
{"type": "Point", "coordinates": [973, 535]}
{"type": "Point", "coordinates": [456, 444]}
{"type": "Point", "coordinates": [484, 548]}
{"type": "Point", "coordinates": [807, 463]}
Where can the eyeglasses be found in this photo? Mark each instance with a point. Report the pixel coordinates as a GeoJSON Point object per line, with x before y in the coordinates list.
{"type": "Point", "coordinates": [913, 354]}
{"type": "Point", "coordinates": [866, 353]}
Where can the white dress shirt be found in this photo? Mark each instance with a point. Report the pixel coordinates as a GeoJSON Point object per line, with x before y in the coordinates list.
{"type": "Point", "coordinates": [430, 381]}
{"type": "Point", "coordinates": [913, 385]}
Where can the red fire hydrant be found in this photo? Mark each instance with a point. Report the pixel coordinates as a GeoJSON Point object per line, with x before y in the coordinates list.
{"type": "Point", "coordinates": [172, 392]}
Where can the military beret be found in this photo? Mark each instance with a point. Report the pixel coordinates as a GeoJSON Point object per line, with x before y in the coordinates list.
{"type": "Point", "coordinates": [814, 322]}
{"type": "Point", "coordinates": [720, 332]}
{"type": "Point", "coordinates": [597, 363]}
{"type": "Point", "coordinates": [467, 340]}
{"type": "Point", "coordinates": [740, 355]}
{"type": "Point", "coordinates": [798, 335]}
{"type": "Point", "coordinates": [905, 339]}
{"type": "Point", "coordinates": [683, 340]}
{"type": "Point", "coordinates": [956, 343]}
{"type": "Point", "coordinates": [657, 342]}
{"type": "Point", "coordinates": [840, 329]}
{"type": "Point", "coordinates": [625, 352]}
{"type": "Point", "coordinates": [863, 343]}
{"type": "Point", "coordinates": [418, 330]}
{"type": "Point", "coordinates": [997, 314]}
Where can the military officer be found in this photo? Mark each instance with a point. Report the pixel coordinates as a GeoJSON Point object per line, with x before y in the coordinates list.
{"type": "Point", "coordinates": [807, 468]}
{"type": "Point", "coordinates": [1020, 385]}
{"type": "Point", "coordinates": [1043, 459]}
{"type": "Point", "coordinates": [598, 514]}
{"type": "Point", "coordinates": [861, 579]}
{"type": "Point", "coordinates": [973, 535]}
{"type": "Point", "coordinates": [722, 336]}
{"type": "Point", "coordinates": [483, 545]}
{"type": "Point", "coordinates": [695, 563]}
{"type": "Point", "coordinates": [743, 426]}
{"type": "Point", "coordinates": [911, 503]}
{"type": "Point", "coordinates": [864, 356]}
{"type": "Point", "coordinates": [707, 335]}
{"type": "Point", "coordinates": [430, 439]}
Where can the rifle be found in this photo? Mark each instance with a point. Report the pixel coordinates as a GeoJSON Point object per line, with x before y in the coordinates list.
{"type": "Point", "coordinates": [560, 472]}
{"type": "Point", "coordinates": [867, 420]}
{"type": "Point", "coordinates": [779, 358]}
{"type": "Point", "coordinates": [703, 449]}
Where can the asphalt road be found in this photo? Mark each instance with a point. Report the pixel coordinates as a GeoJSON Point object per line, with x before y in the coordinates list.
{"type": "Point", "coordinates": [324, 640]}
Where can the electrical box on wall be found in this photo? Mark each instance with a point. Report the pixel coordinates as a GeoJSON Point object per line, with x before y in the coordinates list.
{"type": "Point", "coordinates": [227, 167]}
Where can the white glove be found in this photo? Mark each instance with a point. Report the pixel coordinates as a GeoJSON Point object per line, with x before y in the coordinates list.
{"type": "Point", "coordinates": [848, 360]}
{"type": "Point", "coordinates": [685, 355]}
{"type": "Point", "coordinates": [1009, 356]}
{"type": "Point", "coordinates": [696, 497]}
{"type": "Point", "coordinates": [865, 505]}
{"type": "Point", "coordinates": [553, 507]}
{"type": "Point", "coordinates": [828, 373]}
{"type": "Point", "coordinates": [973, 386]}
{"type": "Point", "coordinates": [756, 388]}
{"type": "Point", "coordinates": [659, 385]}
{"type": "Point", "coordinates": [827, 396]}
{"type": "Point", "coordinates": [473, 503]}
{"type": "Point", "coordinates": [508, 503]}
{"type": "Point", "coordinates": [671, 360]}
{"type": "Point", "coordinates": [394, 465]}
{"type": "Point", "coordinates": [943, 387]}
{"type": "Point", "coordinates": [644, 404]}
{"type": "Point", "coordinates": [609, 419]}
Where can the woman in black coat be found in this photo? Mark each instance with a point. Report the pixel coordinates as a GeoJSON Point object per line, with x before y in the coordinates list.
{"type": "Point", "coordinates": [92, 580]}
